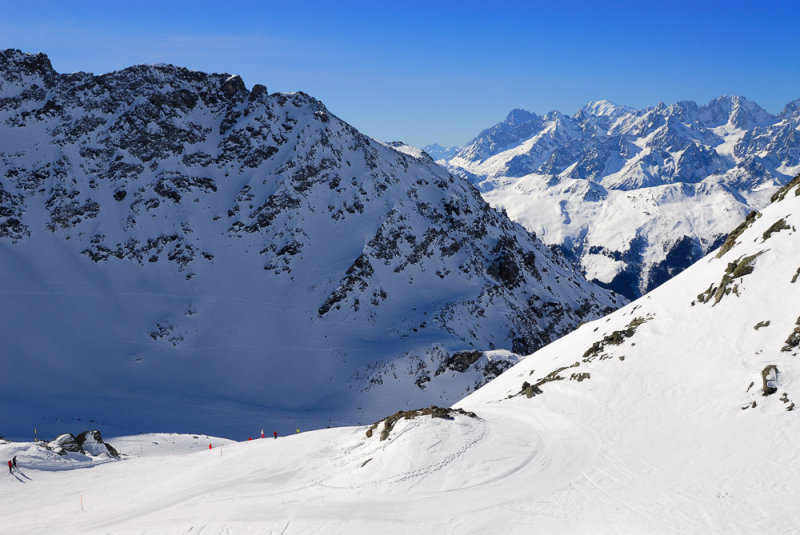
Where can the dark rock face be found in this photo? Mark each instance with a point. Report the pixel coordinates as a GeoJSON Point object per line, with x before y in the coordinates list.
{"type": "Point", "coordinates": [461, 361]}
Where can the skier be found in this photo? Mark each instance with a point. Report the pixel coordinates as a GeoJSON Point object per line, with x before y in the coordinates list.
{"type": "Point", "coordinates": [9, 465]}
{"type": "Point", "coordinates": [275, 434]}
{"type": "Point", "coordinates": [14, 460]}
{"type": "Point", "coordinates": [262, 433]}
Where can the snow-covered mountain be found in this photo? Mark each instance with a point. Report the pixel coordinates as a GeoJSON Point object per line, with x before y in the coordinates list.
{"type": "Point", "coordinates": [438, 152]}
{"type": "Point", "coordinates": [634, 196]}
{"type": "Point", "coordinates": [179, 252]}
{"type": "Point", "coordinates": [674, 414]}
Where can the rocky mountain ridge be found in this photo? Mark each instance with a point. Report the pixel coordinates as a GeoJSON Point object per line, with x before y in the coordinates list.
{"type": "Point", "coordinates": [213, 244]}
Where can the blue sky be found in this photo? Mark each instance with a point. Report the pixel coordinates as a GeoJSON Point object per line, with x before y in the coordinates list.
{"type": "Point", "coordinates": [438, 71]}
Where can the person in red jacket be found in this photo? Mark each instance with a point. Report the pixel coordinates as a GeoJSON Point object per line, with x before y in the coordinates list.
{"type": "Point", "coordinates": [9, 465]}
{"type": "Point", "coordinates": [275, 434]}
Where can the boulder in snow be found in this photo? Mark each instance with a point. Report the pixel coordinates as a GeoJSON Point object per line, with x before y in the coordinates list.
{"type": "Point", "coordinates": [769, 377]}
{"type": "Point", "coordinates": [87, 443]}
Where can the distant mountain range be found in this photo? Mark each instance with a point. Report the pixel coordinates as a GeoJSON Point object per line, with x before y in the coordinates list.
{"type": "Point", "coordinates": [180, 252]}
{"type": "Point", "coordinates": [634, 196]}
{"type": "Point", "coordinates": [437, 152]}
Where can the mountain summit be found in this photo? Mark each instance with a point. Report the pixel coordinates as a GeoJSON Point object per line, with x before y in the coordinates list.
{"type": "Point", "coordinates": [178, 252]}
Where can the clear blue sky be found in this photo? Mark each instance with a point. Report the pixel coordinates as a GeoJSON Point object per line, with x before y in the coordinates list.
{"type": "Point", "coordinates": [438, 71]}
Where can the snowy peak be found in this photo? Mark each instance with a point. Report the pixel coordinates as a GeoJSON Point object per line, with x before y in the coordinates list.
{"type": "Point", "coordinates": [17, 64]}
{"type": "Point", "coordinates": [603, 108]}
{"type": "Point", "coordinates": [518, 126]}
{"type": "Point", "coordinates": [790, 111]}
{"type": "Point", "coordinates": [741, 113]}
{"type": "Point", "coordinates": [675, 177]}
{"type": "Point", "coordinates": [730, 111]}
{"type": "Point", "coordinates": [518, 116]}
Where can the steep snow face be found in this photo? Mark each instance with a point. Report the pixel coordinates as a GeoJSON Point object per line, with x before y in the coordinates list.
{"type": "Point", "coordinates": [649, 190]}
{"type": "Point", "coordinates": [675, 414]}
{"type": "Point", "coordinates": [179, 252]}
{"type": "Point", "coordinates": [688, 390]}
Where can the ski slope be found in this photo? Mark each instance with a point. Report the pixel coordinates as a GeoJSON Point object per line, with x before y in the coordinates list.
{"type": "Point", "coordinates": [430, 473]}
{"type": "Point", "coordinates": [654, 420]}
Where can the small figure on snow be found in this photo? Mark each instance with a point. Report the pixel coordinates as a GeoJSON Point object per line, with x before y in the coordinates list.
{"type": "Point", "coordinates": [14, 460]}
{"type": "Point", "coordinates": [262, 433]}
{"type": "Point", "coordinates": [9, 466]}
{"type": "Point", "coordinates": [275, 434]}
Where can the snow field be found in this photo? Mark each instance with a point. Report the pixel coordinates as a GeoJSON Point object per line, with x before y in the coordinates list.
{"type": "Point", "coordinates": [311, 480]}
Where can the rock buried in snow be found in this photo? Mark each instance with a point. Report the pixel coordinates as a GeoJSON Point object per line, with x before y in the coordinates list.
{"type": "Point", "coordinates": [88, 442]}
{"type": "Point", "coordinates": [794, 339]}
{"type": "Point", "coordinates": [769, 377]}
{"type": "Point", "coordinates": [433, 412]}
{"type": "Point", "coordinates": [735, 270]}
{"type": "Point", "coordinates": [63, 444]}
{"type": "Point", "coordinates": [92, 443]}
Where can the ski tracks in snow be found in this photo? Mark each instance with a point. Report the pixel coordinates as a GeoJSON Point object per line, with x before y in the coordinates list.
{"type": "Point", "coordinates": [510, 445]}
{"type": "Point", "coordinates": [358, 456]}
{"type": "Point", "coordinates": [448, 460]}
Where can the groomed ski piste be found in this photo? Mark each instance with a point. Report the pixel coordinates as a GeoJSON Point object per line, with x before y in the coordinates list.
{"type": "Point", "coordinates": [654, 419]}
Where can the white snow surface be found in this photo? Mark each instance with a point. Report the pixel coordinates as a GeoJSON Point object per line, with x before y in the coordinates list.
{"type": "Point", "coordinates": [666, 431]}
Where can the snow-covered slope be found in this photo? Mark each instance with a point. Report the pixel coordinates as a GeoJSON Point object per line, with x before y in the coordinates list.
{"type": "Point", "coordinates": [674, 414]}
{"type": "Point", "coordinates": [178, 252]}
{"type": "Point", "coordinates": [634, 196]}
